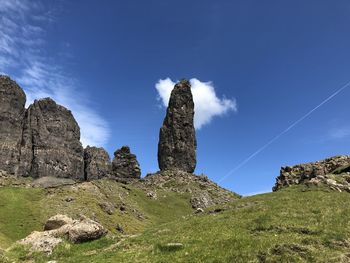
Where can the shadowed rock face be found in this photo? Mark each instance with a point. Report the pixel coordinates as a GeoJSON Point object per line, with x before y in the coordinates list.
{"type": "Point", "coordinates": [51, 142]}
{"type": "Point", "coordinates": [177, 138]}
{"type": "Point", "coordinates": [12, 109]}
{"type": "Point", "coordinates": [125, 164]}
{"type": "Point", "coordinates": [97, 163]}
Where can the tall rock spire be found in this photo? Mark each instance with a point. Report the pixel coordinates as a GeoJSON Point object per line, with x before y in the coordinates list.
{"type": "Point", "coordinates": [177, 137]}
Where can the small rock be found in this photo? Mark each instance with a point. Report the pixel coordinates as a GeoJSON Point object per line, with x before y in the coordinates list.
{"type": "Point", "coordinates": [174, 246]}
{"type": "Point", "coordinates": [107, 207]}
{"type": "Point", "coordinates": [331, 182]}
{"type": "Point", "coordinates": [199, 210]}
{"type": "Point", "coordinates": [152, 195]}
{"type": "Point", "coordinates": [120, 229]}
{"type": "Point", "coordinates": [69, 199]}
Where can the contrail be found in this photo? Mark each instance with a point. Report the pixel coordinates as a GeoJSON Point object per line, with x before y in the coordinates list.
{"type": "Point", "coordinates": [283, 132]}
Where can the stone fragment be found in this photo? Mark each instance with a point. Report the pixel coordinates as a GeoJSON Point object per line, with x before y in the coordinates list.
{"type": "Point", "coordinates": [177, 138]}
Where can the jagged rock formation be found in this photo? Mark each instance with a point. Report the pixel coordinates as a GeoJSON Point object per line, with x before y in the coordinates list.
{"type": "Point", "coordinates": [12, 109]}
{"type": "Point", "coordinates": [177, 138]}
{"type": "Point", "coordinates": [97, 163]}
{"type": "Point", "coordinates": [125, 165]}
{"type": "Point", "coordinates": [51, 142]}
{"type": "Point", "coordinates": [314, 173]}
{"type": "Point", "coordinates": [44, 141]}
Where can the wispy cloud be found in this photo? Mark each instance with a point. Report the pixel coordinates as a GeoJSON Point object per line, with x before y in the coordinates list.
{"type": "Point", "coordinates": [23, 57]}
{"type": "Point", "coordinates": [206, 103]}
{"type": "Point", "coordinates": [339, 132]}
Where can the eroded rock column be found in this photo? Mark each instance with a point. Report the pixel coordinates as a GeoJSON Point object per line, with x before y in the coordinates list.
{"type": "Point", "coordinates": [177, 137]}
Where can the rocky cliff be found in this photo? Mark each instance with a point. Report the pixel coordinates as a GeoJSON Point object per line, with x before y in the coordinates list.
{"type": "Point", "coordinates": [12, 110]}
{"type": "Point", "coordinates": [44, 140]}
{"type": "Point", "coordinates": [51, 142]}
{"type": "Point", "coordinates": [177, 137]}
{"type": "Point", "coordinates": [315, 173]}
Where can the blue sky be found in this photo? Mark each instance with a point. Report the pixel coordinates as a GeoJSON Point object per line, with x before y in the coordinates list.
{"type": "Point", "coordinates": [259, 66]}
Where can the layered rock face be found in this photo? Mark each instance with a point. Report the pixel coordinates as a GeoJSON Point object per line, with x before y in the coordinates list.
{"type": "Point", "coordinates": [97, 163]}
{"type": "Point", "coordinates": [177, 138]}
{"type": "Point", "coordinates": [44, 141]}
{"type": "Point", "coordinates": [309, 172]}
{"type": "Point", "coordinates": [125, 165]}
{"type": "Point", "coordinates": [12, 110]}
{"type": "Point", "coordinates": [51, 140]}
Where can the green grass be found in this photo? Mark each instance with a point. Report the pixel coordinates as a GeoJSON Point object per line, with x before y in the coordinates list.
{"type": "Point", "coordinates": [297, 224]}
{"type": "Point", "coordinates": [23, 210]}
{"type": "Point", "coordinates": [20, 213]}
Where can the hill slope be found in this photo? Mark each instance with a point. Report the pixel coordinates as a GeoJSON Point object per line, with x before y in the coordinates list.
{"type": "Point", "coordinates": [296, 224]}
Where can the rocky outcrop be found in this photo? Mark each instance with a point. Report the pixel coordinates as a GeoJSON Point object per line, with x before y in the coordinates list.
{"type": "Point", "coordinates": [62, 226]}
{"type": "Point", "coordinates": [311, 172]}
{"type": "Point", "coordinates": [12, 110]}
{"type": "Point", "coordinates": [177, 138]}
{"type": "Point", "coordinates": [44, 141]}
{"type": "Point", "coordinates": [125, 165]}
{"type": "Point", "coordinates": [97, 163]}
{"type": "Point", "coordinates": [202, 192]}
{"type": "Point", "coordinates": [51, 142]}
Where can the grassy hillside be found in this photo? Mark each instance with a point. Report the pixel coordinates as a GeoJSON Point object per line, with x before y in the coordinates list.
{"type": "Point", "coordinates": [297, 224]}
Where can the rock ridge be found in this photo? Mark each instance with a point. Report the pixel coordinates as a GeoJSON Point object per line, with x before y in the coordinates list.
{"type": "Point", "coordinates": [44, 141]}
{"type": "Point", "coordinates": [314, 172]}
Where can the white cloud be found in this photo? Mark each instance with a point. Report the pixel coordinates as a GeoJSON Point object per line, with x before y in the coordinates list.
{"type": "Point", "coordinates": [340, 133]}
{"type": "Point", "coordinates": [22, 56]}
{"type": "Point", "coordinates": [206, 103]}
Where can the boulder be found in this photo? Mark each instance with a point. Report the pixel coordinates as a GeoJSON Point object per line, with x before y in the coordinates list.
{"type": "Point", "coordinates": [57, 221]}
{"type": "Point", "coordinates": [83, 230]}
{"type": "Point", "coordinates": [12, 110]}
{"type": "Point", "coordinates": [177, 138]}
{"type": "Point", "coordinates": [97, 163]}
{"type": "Point", "coordinates": [51, 142]}
{"type": "Point", "coordinates": [62, 226]}
{"type": "Point", "coordinates": [125, 165]}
